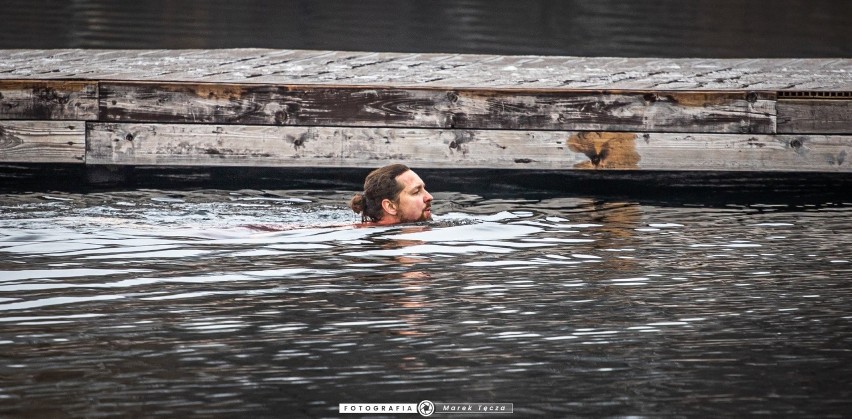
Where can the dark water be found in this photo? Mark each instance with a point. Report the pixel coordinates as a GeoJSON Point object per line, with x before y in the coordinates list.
{"type": "Point", "coordinates": [660, 28]}
{"type": "Point", "coordinates": [270, 303]}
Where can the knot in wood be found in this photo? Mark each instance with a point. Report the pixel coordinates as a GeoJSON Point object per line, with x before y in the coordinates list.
{"type": "Point", "coordinates": [751, 97]}
{"type": "Point", "coordinates": [281, 117]}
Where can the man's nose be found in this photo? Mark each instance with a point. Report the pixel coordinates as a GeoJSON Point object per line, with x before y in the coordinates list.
{"type": "Point", "coordinates": [428, 197]}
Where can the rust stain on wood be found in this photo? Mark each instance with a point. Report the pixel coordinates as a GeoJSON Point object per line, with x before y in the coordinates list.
{"type": "Point", "coordinates": [215, 91]}
{"type": "Point", "coordinates": [605, 150]}
{"type": "Point", "coordinates": [696, 99]}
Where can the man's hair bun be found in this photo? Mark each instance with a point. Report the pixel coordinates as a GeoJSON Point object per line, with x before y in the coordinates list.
{"type": "Point", "coordinates": [357, 203]}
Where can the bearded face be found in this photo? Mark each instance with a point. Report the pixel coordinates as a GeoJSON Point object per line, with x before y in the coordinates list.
{"type": "Point", "coordinates": [413, 204]}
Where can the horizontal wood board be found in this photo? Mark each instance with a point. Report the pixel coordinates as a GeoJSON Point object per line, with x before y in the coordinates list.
{"type": "Point", "coordinates": [672, 111]}
{"type": "Point", "coordinates": [287, 67]}
{"type": "Point", "coordinates": [817, 116]}
{"type": "Point", "coordinates": [48, 100]}
{"type": "Point", "coordinates": [234, 145]}
{"type": "Point", "coordinates": [42, 141]}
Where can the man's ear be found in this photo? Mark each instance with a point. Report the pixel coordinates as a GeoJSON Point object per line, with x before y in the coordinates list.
{"type": "Point", "coordinates": [389, 206]}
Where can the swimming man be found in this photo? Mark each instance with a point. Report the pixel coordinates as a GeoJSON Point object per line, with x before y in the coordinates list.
{"type": "Point", "coordinates": [393, 194]}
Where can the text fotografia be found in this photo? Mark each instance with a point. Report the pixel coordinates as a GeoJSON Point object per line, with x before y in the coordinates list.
{"type": "Point", "coordinates": [473, 407]}
{"type": "Point", "coordinates": [377, 408]}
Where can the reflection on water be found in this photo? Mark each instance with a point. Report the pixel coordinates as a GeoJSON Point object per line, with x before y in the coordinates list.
{"type": "Point", "coordinates": [216, 303]}
{"type": "Point", "coordinates": [659, 28]}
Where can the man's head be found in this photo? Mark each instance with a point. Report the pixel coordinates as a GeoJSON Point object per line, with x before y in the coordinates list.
{"type": "Point", "coordinates": [393, 194]}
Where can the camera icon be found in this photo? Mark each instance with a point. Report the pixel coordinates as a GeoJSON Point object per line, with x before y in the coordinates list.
{"type": "Point", "coordinates": [426, 408]}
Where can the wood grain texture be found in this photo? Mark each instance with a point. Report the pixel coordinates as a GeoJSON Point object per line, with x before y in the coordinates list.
{"type": "Point", "coordinates": [673, 111]}
{"type": "Point", "coordinates": [235, 145]}
{"type": "Point", "coordinates": [42, 141]}
{"type": "Point", "coordinates": [355, 109]}
{"type": "Point", "coordinates": [818, 116]}
{"type": "Point", "coordinates": [293, 67]}
{"type": "Point", "coordinates": [48, 100]}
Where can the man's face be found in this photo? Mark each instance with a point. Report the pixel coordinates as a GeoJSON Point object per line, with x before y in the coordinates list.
{"type": "Point", "coordinates": [415, 204]}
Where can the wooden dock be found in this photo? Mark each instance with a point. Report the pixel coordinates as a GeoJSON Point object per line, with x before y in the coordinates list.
{"type": "Point", "coordinates": [298, 108]}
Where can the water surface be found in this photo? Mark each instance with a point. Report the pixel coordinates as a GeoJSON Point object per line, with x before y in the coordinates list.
{"type": "Point", "coordinates": [272, 303]}
{"type": "Point", "coordinates": [657, 28]}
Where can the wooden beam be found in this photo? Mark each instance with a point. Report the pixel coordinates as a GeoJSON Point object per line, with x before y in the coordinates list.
{"type": "Point", "coordinates": [242, 145]}
{"type": "Point", "coordinates": [42, 141]}
{"type": "Point", "coordinates": [48, 100]}
{"type": "Point", "coordinates": [818, 116]}
{"type": "Point", "coordinates": [672, 111]}
{"type": "Point", "coordinates": [437, 70]}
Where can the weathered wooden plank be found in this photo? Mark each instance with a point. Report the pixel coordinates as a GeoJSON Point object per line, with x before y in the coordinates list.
{"type": "Point", "coordinates": [674, 111]}
{"type": "Point", "coordinates": [214, 145]}
{"type": "Point", "coordinates": [42, 141]}
{"type": "Point", "coordinates": [820, 116]}
{"type": "Point", "coordinates": [671, 111]}
{"type": "Point", "coordinates": [286, 67]}
{"type": "Point", "coordinates": [230, 145]}
{"type": "Point", "coordinates": [271, 105]}
{"type": "Point", "coordinates": [48, 100]}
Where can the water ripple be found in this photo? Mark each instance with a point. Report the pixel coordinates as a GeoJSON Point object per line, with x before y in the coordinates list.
{"type": "Point", "coordinates": [561, 306]}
